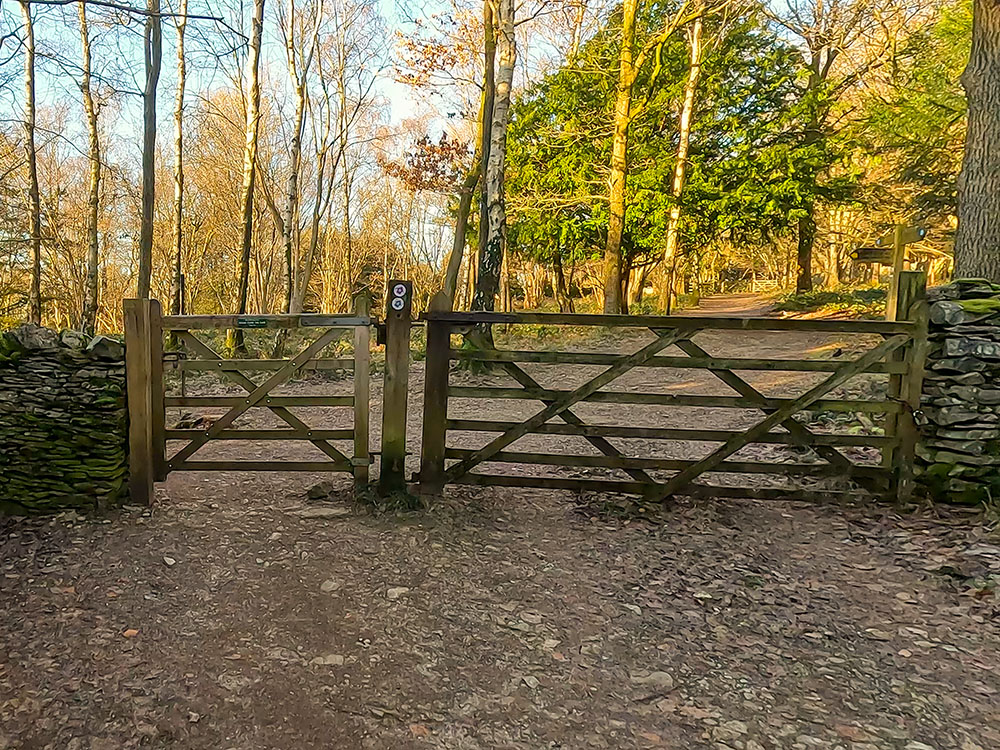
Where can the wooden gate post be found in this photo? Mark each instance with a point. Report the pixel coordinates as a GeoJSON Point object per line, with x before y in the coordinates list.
{"type": "Point", "coordinates": [435, 415]}
{"type": "Point", "coordinates": [139, 392]}
{"type": "Point", "coordinates": [398, 304]}
{"type": "Point", "coordinates": [362, 395]}
{"type": "Point", "coordinates": [911, 305]}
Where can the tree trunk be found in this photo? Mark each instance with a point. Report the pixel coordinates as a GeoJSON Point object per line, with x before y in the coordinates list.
{"type": "Point", "coordinates": [977, 241]}
{"type": "Point", "coordinates": [491, 259]}
{"type": "Point", "coordinates": [807, 234]}
{"type": "Point", "coordinates": [561, 291]}
{"type": "Point", "coordinates": [489, 102]}
{"type": "Point", "coordinates": [249, 165]}
{"type": "Point", "coordinates": [88, 320]}
{"type": "Point", "coordinates": [176, 290]}
{"type": "Point", "coordinates": [153, 49]}
{"type": "Point", "coordinates": [466, 194]}
{"type": "Point", "coordinates": [680, 165]}
{"type": "Point", "coordinates": [31, 155]}
{"type": "Point", "coordinates": [613, 299]}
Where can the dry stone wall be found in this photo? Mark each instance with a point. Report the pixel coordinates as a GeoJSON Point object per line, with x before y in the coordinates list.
{"type": "Point", "coordinates": [63, 421]}
{"type": "Point", "coordinates": [958, 458]}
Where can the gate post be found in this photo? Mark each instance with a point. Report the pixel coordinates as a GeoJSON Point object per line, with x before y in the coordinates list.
{"type": "Point", "coordinates": [139, 392]}
{"type": "Point", "coordinates": [435, 415]}
{"type": "Point", "coordinates": [362, 394]}
{"type": "Point", "coordinates": [911, 306]}
{"type": "Point", "coordinates": [398, 304]}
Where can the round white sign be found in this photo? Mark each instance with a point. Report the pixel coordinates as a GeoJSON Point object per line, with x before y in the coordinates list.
{"type": "Point", "coordinates": [399, 291]}
{"type": "Point", "coordinates": [397, 303]}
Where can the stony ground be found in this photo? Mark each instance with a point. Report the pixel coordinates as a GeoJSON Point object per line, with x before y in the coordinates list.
{"type": "Point", "coordinates": [237, 613]}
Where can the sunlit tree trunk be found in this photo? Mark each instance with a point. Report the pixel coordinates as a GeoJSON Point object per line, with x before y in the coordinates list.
{"type": "Point", "coordinates": [89, 321]}
{"type": "Point", "coordinates": [153, 52]}
{"type": "Point", "coordinates": [176, 289]}
{"type": "Point", "coordinates": [977, 241]}
{"type": "Point", "coordinates": [31, 156]}
{"type": "Point", "coordinates": [491, 259]}
{"type": "Point", "coordinates": [680, 165]}
{"type": "Point", "coordinates": [249, 164]}
{"type": "Point", "coordinates": [490, 23]}
{"type": "Point", "coordinates": [619, 162]}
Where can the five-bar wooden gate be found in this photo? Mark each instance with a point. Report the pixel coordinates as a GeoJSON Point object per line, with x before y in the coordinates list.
{"type": "Point", "coordinates": [898, 354]}
{"type": "Point", "coordinates": [150, 439]}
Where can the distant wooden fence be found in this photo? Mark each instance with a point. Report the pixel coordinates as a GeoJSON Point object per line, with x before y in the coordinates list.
{"type": "Point", "coordinates": [899, 355]}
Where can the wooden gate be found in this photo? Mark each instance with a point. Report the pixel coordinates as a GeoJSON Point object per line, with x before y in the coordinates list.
{"type": "Point", "coordinates": [898, 354]}
{"type": "Point", "coordinates": [151, 441]}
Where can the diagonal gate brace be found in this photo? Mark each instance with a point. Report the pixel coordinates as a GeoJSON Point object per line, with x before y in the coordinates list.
{"type": "Point", "coordinates": [837, 378]}
{"type": "Point", "coordinates": [257, 395]}
{"type": "Point", "coordinates": [561, 404]}
{"type": "Point", "coordinates": [798, 431]}
{"type": "Point", "coordinates": [237, 377]}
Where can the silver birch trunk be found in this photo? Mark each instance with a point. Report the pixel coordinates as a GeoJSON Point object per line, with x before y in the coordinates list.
{"type": "Point", "coordinates": [680, 165]}
{"type": "Point", "coordinates": [491, 259]}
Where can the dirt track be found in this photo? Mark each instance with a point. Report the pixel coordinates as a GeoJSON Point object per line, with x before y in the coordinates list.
{"type": "Point", "coordinates": [499, 619]}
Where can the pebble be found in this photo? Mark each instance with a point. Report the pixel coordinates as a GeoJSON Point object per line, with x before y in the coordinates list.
{"type": "Point", "coordinates": [395, 592]}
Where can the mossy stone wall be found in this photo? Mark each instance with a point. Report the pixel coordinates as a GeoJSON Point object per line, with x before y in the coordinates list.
{"type": "Point", "coordinates": [63, 421]}
{"type": "Point", "coordinates": [958, 457]}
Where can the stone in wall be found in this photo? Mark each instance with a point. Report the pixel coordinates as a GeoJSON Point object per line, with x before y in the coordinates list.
{"type": "Point", "coordinates": [958, 457]}
{"type": "Point", "coordinates": [63, 421]}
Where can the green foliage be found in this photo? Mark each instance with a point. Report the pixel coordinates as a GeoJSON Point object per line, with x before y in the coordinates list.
{"type": "Point", "coordinates": [753, 169]}
{"type": "Point", "coordinates": [856, 303]}
{"type": "Point", "coordinates": [915, 127]}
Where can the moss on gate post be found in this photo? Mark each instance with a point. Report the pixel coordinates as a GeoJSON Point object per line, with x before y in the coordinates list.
{"type": "Point", "coordinates": [63, 421]}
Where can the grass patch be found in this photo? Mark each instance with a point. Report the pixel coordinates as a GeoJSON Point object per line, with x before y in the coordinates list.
{"type": "Point", "coordinates": [854, 303]}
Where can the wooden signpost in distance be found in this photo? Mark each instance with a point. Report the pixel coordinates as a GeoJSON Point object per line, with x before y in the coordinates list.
{"type": "Point", "coordinates": [890, 250]}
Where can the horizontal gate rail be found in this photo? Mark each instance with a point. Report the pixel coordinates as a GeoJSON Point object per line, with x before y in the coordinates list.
{"type": "Point", "coordinates": [266, 434]}
{"type": "Point", "coordinates": [250, 365]}
{"type": "Point", "coordinates": [268, 401]}
{"type": "Point", "coordinates": [317, 466]}
{"type": "Point", "coordinates": [672, 399]}
{"type": "Point", "coordinates": [194, 322]}
{"type": "Point", "coordinates": [672, 321]}
{"type": "Point", "coordinates": [893, 350]}
{"type": "Point", "coordinates": [613, 462]}
{"type": "Point", "coordinates": [668, 433]}
{"type": "Point", "coordinates": [595, 358]}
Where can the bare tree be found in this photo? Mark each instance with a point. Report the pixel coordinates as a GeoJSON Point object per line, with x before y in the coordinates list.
{"type": "Point", "coordinates": [176, 284]}
{"type": "Point", "coordinates": [153, 53]}
{"type": "Point", "coordinates": [31, 156]}
{"type": "Point", "coordinates": [249, 164]}
{"type": "Point", "coordinates": [89, 321]}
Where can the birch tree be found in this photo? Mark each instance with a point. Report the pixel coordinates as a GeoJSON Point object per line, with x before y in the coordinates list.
{"type": "Point", "coordinates": [491, 257]}
{"type": "Point", "coordinates": [669, 262]}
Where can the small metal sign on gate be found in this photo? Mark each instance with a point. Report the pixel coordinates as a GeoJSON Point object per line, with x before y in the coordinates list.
{"type": "Point", "coordinates": [247, 322]}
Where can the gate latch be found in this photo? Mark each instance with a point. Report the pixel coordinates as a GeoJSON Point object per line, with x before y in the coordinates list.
{"type": "Point", "coordinates": [173, 359]}
{"type": "Point", "coordinates": [380, 334]}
